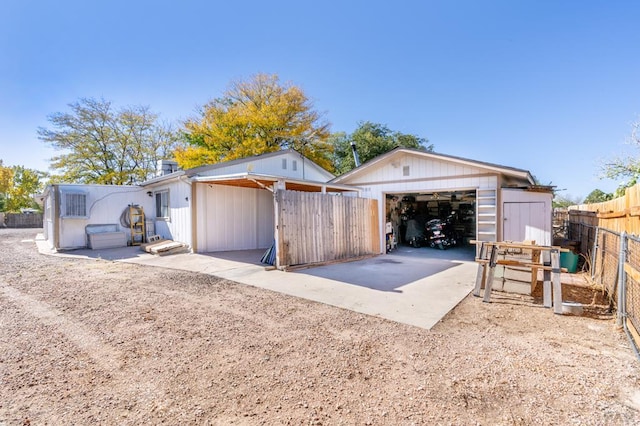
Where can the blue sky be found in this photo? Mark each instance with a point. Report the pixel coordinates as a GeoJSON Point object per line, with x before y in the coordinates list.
{"type": "Point", "coordinates": [548, 86]}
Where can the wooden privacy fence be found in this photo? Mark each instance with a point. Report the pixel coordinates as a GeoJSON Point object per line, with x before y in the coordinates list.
{"type": "Point", "coordinates": [317, 228]}
{"type": "Point", "coordinates": [608, 233]}
{"type": "Point", "coordinates": [619, 215]}
{"type": "Point", "coordinates": [22, 220]}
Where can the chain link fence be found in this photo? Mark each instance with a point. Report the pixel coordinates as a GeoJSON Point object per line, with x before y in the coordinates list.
{"type": "Point", "coordinates": [631, 286]}
{"type": "Point", "coordinates": [614, 264]}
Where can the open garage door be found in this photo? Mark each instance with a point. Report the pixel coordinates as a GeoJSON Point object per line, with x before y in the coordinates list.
{"type": "Point", "coordinates": [433, 220]}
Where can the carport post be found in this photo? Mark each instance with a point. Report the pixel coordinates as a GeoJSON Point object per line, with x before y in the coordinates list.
{"type": "Point", "coordinates": [277, 188]}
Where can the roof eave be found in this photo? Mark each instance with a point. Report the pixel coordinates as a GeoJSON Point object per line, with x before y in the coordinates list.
{"type": "Point", "coordinates": [509, 171]}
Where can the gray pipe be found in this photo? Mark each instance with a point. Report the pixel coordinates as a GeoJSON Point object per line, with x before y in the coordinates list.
{"type": "Point", "coordinates": [356, 158]}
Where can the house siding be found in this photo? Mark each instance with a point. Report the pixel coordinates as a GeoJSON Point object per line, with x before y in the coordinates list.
{"type": "Point", "coordinates": [232, 218]}
{"type": "Point", "coordinates": [272, 165]}
{"type": "Point", "coordinates": [178, 226]}
{"type": "Point", "coordinates": [424, 175]}
{"type": "Point", "coordinates": [105, 204]}
{"type": "Point", "coordinates": [542, 234]}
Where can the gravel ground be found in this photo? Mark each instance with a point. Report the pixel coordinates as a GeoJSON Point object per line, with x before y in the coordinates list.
{"type": "Point", "coordinates": [101, 342]}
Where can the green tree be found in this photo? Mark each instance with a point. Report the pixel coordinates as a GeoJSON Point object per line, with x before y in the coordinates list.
{"type": "Point", "coordinates": [371, 140]}
{"type": "Point", "coordinates": [107, 146]}
{"type": "Point", "coordinates": [26, 183]}
{"type": "Point", "coordinates": [624, 167]}
{"type": "Point", "coordinates": [256, 117]}
{"type": "Point", "coordinates": [564, 201]}
{"type": "Point", "coordinates": [6, 184]}
{"type": "Point", "coordinates": [18, 185]}
{"type": "Point", "coordinates": [597, 196]}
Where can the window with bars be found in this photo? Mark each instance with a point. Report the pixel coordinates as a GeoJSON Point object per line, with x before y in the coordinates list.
{"type": "Point", "coordinates": [74, 205]}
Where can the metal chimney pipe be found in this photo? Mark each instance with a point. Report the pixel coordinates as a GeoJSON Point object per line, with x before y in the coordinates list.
{"type": "Point", "coordinates": [356, 158]}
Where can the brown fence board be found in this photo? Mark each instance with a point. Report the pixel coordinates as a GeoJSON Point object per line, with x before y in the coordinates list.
{"type": "Point", "coordinates": [22, 220]}
{"type": "Point", "coordinates": [599, 227]}
{"type": "Point", "coordinates": [316, 228]}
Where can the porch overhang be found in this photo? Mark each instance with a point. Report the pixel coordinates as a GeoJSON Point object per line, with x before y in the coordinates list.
{"type": "Point", "coordinates": [259, 181]}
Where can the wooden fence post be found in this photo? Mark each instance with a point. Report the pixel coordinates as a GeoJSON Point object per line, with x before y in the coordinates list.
{"type": "Point", "coordinates": [557, 285]}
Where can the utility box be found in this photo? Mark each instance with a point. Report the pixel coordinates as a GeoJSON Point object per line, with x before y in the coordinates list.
{"type": "Point", "coordinates": [105, 236]}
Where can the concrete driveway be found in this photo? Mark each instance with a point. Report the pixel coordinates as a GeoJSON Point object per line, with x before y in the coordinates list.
{"type": "Point", "coordinates": [411, 286]}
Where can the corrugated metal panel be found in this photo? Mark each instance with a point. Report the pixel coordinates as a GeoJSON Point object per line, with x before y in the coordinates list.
{"type": "Point", "coordinates": [232, 218]}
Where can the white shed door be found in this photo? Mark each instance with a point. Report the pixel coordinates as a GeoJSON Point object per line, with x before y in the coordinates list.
{"type": "Point", "coordinates": [524, 221]}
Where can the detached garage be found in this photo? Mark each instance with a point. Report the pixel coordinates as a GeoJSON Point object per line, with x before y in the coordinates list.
{"type": "Point", "coordinates": [480, 201]}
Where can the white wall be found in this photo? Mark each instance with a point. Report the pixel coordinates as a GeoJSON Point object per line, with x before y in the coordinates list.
{"type": "Point", "coordinates": [537, 228]}
{"type": "Point", "coordinates": [105, 204]}
{"type": "Point", "coordinates": [178, 226]}
{"type": "Point", "coordinates": [419, 167]}
{"type": "Point", "coordinates": [232, 218]}
{"type": "Point", "coordinates": [425, 175]}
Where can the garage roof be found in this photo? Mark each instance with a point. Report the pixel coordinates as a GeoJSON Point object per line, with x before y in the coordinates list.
{"type": "Point", "coordinates": [260, 181]}
{"type": "Point", "coordinates": [509, 171]}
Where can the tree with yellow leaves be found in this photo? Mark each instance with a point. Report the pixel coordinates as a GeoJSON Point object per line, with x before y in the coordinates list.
{"type": "Point", "coordinates": [18, 185]}
{"type": "Point", "coordinates": [256, 117]}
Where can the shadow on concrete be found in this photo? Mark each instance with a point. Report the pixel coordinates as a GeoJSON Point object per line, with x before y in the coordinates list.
{"type": "Point", "coordinates": [120, 253]}
{"type": "Point", "coordinates": [388, 273]}
{"type": "Point", "coordinates": [394, 270]}
{"type": "Point", "coordinates": [251, 257]}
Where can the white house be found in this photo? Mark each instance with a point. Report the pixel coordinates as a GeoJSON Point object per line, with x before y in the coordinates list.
{"type": "Point", "coordinates": [229, 206]}
{"type": "Point", "coordinates": [490, 202]}
{"type": "Point", "coordinates": [221, 207]}
{"type": "Point", "coordinates": [70, 209]}
{"type": "Point", "coordinates": [232, 205]}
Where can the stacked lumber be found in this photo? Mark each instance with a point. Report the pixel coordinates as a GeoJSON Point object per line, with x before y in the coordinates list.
{"type": "Point", "coordinates": [162, 247]}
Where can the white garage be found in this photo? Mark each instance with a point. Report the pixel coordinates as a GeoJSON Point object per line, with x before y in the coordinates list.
{"type": "Point", "coordinates": [478, 200]}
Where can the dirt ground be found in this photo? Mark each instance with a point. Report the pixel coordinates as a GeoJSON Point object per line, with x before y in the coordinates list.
{"type": "Point", "coordinates": [101, 342]}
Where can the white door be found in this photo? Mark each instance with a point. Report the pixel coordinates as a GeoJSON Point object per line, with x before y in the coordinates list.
{"type": "Point", "coordinates": [525, 221]}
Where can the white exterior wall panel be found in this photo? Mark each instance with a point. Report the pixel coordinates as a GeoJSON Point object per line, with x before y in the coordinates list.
{"type": "Point", "coordinates": [274, 166]}
{"type": "Point", "coordinates": [105, 204]}
{"type": "Point", "coordinates": [232, 218]}
{"type": "Point", "coordinates": [418, 169]}
{"type": "Point", "coordinates": [425, 175]}
{"type": "Point", "coordinates": [535, 228]}
{"type": "Point", "coordinates": [178, 226]}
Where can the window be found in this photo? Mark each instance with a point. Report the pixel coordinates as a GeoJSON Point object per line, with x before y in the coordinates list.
{"type": "Point", "coordinates": [162, 204]}
{"type": "Point", "coordinates": [405, 171]}
{"type": "Point", "coordinates": [294, 165]}
{"type": "Point", "coordinates": [74, 204]}
{"type": "Point", "coordinates": [284, 164]}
